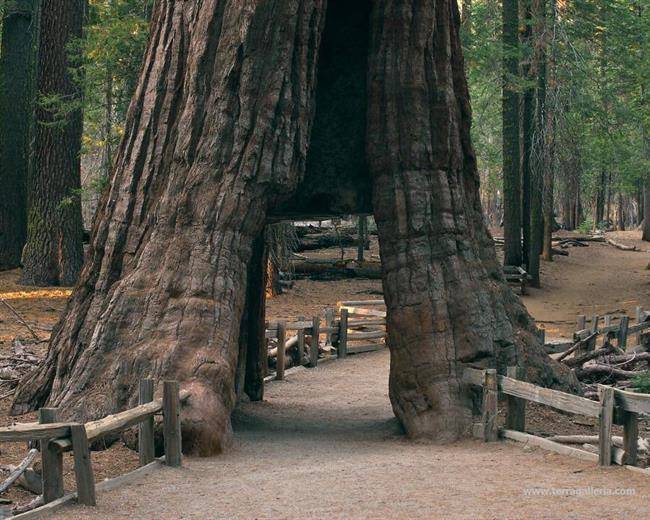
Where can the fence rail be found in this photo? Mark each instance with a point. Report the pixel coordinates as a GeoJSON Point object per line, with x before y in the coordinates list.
{"type": "Point", "coordinates": [56, 437]}
{"type": "Point", "coordinates": [344, 330]}
{"type": "Point", "coordinates": [628, 405]}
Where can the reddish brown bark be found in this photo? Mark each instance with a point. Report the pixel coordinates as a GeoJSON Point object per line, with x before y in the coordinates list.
{"type": "Point", "coordinates": [447, 302]}
{"type": "Point", "coordinates": [216, 134]}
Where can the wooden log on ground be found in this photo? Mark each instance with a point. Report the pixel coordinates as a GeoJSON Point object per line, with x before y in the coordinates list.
{"type": "Point", "coordinates": [617, 440]}
{"type": "Point", "coordinates": [356, 336]}
{"type": "Point", "coordinates": [360, 311]}
{"type": "Point", "coordinates": [541, 442]}
{"type": "Point", "coordinates": [620, 246]}
{"type": "Point", "coordinates": [17, 472]}
{"type": "Point", "coordinates": [370, 347]}
{"type": "Point", "coordinates": [599, 369]}
{"type": "Point", "coordinates": [577, 361]}
{"type": "Point", "coordinates": [579, 344]}
{"type": "Point", "coordinates": [360, 303]}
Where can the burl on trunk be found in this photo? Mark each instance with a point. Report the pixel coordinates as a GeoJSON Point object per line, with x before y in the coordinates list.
{"type": "Point", "coordinates": [217, 135]}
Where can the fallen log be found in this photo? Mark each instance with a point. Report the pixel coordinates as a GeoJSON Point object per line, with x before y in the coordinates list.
{"type": "Point", "coordinates": [315, 242]}
{"type": "Point", "coordinates": [18, 471]}
{"type": "Point", "coordinates": [617, 440]}
{"type": "Point", "coordinates": [331, 269]}
{"type": "Point", "coordinates": [588, 356]}
{"type": "Point", "coordinates": [620, 246]}
{"type": "Point", "coordinates": [37, 502]}
{"type": "Point", "coordinates": [577, 345]}
{"type": "Point", "coordinates": [598, 369]}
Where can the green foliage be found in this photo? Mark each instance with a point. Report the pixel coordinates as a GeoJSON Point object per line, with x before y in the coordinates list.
{"type": "Point", "coordinates": [115, 40]}
{"type": "Point", "coordinates": [587, 226]}
{"type": "Point", "coordinates": [641, 383]}
{"type": "Point", "coordinates": [603, 54]}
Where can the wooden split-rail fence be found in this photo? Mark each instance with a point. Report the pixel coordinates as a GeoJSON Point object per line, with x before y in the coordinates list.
{"type": "Point", "coordinates": [615, 406]}
{"type": "Point", "coordinates": [354, 327]}
{"type": "Point", "coordinates": [58, 437]}
{"type": "Point", "coordinates": [630, 335]}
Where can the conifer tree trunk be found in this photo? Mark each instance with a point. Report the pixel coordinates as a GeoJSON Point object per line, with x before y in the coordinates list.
{"type": "Point", "coordinates": [447, 302]}
{"type": "Point", "coordinates": [53, 254]}
{"type": "Point", "coordinates": [646, 210]}
{"type": "Point", "coordinates": [17, 56]}
{"type": "Point", "coordinates": [217, 135]}
{"type": "Point", "coordinates": [528, 127]}
{"type": "Point", "coordinates": [510, 120]}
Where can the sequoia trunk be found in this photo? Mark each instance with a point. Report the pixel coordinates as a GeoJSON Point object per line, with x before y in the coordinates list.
{"type": "Point", "coordinates": [447, 302]}
{"type": "Point", "coordinates": [16, 109]}
{"type": "Point", "coordinates": [53, 254]}
{"type": "Point", "coordinates": [217, 133]}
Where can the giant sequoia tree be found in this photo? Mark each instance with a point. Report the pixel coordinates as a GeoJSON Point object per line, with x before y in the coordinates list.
{"type": "Point", "coordinates": [16, 107]}
{"type": "Point", "coordinates": [218, 134]}
{"type": "Point", "coordinates": [53, 254]}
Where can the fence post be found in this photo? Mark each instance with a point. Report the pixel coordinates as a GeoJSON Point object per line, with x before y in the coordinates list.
{"type": "Point", "coordinates": [516, 415]}
{"type": "Point", "coordinates": [172, 423]}
{"type": "Point", "coordinates": [605, 419]}
{"type": "Point", "coordinates": [301, 344]}
{"type": "Point", "coordinates": [329, 322]}
{"type": "Point", "coordinates": [145, 428]}
{"type": "Point", "coordinates": [637, 314]}
{"type": "Point", "coordinates": [594, 323]}
{"type": "Point", "coordinates": [630, 437]}
{"type": "Point", "coordinates": [490, 406]}
{"type": "Point", "coordinates": [279, 365]}
{"type": "Point", "coordinates": [608, 320]}
{"type": "Point", "coordinates": [52, 459]}
{"type": "Point", "coordinates": [342, 346]}
{"type": "Point", "coordinates": [622, 332]}
{"type": "Point", "coordinates": [581, 322]}
{"type": "Point", "coordinates": [83, 469]}
{"type": "Point", "coordinates": [315, 334]}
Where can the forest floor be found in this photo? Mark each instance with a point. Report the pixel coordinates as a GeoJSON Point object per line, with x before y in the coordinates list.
{"type": "Point", "coordinates": [325, 444]}
{"type": "Point", "coordinates": [598, 279]}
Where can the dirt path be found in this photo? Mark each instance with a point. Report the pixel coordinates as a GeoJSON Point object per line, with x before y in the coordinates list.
{"type": "Point", "coordinates": [325, 445]}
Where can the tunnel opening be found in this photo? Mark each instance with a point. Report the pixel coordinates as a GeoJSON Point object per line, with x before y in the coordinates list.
{"type": "Point", "coordinates": [337, 180]}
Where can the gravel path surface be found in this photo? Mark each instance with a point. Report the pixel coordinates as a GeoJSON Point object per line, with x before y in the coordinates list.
{"type": "Point", "coordinates": [325, 445]}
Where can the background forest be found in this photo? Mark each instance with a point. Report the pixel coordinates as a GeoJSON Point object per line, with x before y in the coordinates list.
{"type": "Point", "coordinates": [559, 98]}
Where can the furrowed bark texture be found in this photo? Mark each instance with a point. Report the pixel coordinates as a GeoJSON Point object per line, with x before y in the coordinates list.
{"type": "Point", "coordinates": [16, 109]}
{"type": "Point", "coordinates": [216, 134]}
{"type": "Point", "coordinates": [447, 302]}
{"type": "Point", "coordinates": [53, 254]}
{"type": "Point", "coordinates": [510, 122]}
